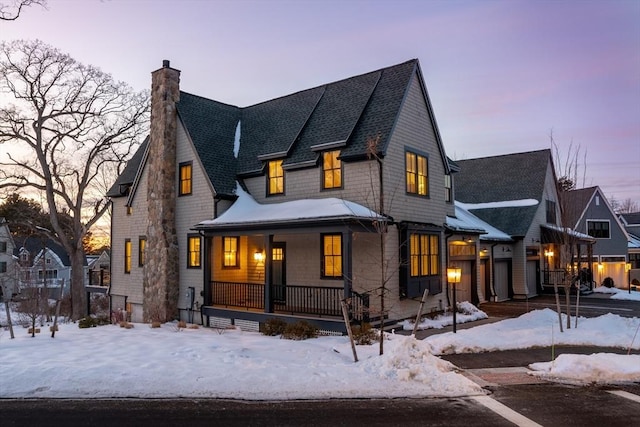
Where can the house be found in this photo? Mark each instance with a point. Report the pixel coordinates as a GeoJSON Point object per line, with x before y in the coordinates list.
{"type": "Point", "coordinates": [631, 223]}
{"type": "Point", "coordinates": [35, 254]}
{"type": "Point", "coordinates": [8, 279]}
{"type": "Point", "coordinates": [589, 212]}
{"type": "Point", "coordinates": [517, 195]}
{"type": "Point", "coordinates": [286, 207]}
{"type": "Point", "coordinates": [98, 269]}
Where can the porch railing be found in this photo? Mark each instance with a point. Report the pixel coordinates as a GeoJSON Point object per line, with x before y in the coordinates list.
{"type": "Point", "coordinates": [292, 299]}
{"type": "Point", "coordinates": [554, 277]}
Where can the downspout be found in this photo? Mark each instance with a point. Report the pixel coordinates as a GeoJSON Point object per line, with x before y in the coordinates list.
{"type": "Point", "coordinates": [446, 241]}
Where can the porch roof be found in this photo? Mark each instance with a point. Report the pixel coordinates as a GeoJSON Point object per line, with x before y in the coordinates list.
{"type": "Point", "coordinates": [555, 234]}
{"type": "Point", "coordinates": [247, 213]}
{"type": "Point", "coordinates": [466, 222]}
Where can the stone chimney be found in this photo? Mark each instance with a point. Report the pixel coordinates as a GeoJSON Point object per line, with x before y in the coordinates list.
{"type": "Point", "coordinates": [161, 270]}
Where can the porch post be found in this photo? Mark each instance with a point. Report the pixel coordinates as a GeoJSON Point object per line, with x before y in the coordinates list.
{"type": "Point", "coordinates": [347, 261]}
{"type": "Point", "coordinates": [268, 300]}
{"type": "Point", "coordinates": [207, 277]}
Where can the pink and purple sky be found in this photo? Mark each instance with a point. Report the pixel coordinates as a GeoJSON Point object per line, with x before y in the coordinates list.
{"type": "Point", "coordinates": [502, 75]}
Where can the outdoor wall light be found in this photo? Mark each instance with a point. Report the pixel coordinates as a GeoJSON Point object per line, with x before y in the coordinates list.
{"type": "Point", "coordinates": [258, 256]}
{"type": "Point", "coordinates": [548, 253]}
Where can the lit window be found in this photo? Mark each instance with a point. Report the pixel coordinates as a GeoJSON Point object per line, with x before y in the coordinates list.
{"type": "Point", "coordinates": [193, 257]}
{"type": "Point", "coordinates": [275, 178]}
{"type": "Point", "coordinates": [277, 254]}
{"type": "Point", "coordinates": [331, 170]}
{"type": "Point", "coordinates": [142, 247]}
{"type": "Point", "coordinates": [127, 256]}
{"type": "Point", "coordinates": [417, 174]}
{"type": "Point", "coordinates": [230, 252]}
{"type": "Point", "coordinates": [423, 253]}
{"type": "Point", "coordinates": [332, 255]}
{"type": "Point", "coordinates": [186, 170]}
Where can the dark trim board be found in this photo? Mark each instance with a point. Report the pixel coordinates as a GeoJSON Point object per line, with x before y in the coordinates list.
{"type": "Point", "coordinates": [327, 324]}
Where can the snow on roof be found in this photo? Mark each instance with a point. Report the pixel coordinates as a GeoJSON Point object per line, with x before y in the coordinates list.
{"type": "Point", "coordinates": [503, 204]}
{"type": "Point", "coordinates": [570, 231]}
{"type": "Point", "coordinates": [246, 210]}
{"type": "Point", "coordinates": [634, 241]}
{"type": "Point", "coordinates": [466, 221]}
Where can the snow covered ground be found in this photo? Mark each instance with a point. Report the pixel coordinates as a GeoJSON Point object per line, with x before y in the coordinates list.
{"type": "Point", "coordinates": [110, 361]}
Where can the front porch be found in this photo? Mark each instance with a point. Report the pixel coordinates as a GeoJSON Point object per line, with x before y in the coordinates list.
{"type": "Point", "coordinates": [258, 302]}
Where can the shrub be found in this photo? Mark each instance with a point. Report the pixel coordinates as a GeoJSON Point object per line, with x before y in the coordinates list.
{"type": "Point", "coordinates": [300, 330]}
{"type": "Point", "coordinates": [87, 322]}
{"type": "Point", "coordinates": [274, 326]}
{"type": "Point", "coordinates": [608, 282]}
{"type": "Point", "coordinates": [364, 334]}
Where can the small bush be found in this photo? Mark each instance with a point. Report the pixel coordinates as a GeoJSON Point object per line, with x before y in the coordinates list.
{"type": "Point", "coordinates": [87, 322]}
{"type": "Point", "coordinates": [300, 330]}
{"type": "Point", "coordinates": [608, 282]}
{"type": "Point", "coordinates": [274, 326]}
{"type": "Point", "coordinates": [155, 324]}
{"type": "Point", "coordinates": [364, 334]}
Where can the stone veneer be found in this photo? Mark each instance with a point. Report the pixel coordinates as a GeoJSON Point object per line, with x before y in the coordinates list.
{"type": "Point", "coordinates": [161, 270]}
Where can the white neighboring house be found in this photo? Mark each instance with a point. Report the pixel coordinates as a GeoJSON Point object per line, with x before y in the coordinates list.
{"type": "Point", "coordinates": [8, 277]}
{"type": "Point", "coordinates": [33, 253]}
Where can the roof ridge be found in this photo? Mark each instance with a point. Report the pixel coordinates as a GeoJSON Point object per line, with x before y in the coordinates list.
{"type": "Point", "coordinates": [505, 155]}
{"type": "Point", "coordinates": [324, 85]}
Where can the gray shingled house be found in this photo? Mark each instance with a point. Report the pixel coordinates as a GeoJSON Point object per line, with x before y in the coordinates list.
{"type": "Point", "coordinates": [631, 223]}
{"type": "Point", "coordinates": [282, 209]}
{"type": "Point", "coordinates": [517, 194]}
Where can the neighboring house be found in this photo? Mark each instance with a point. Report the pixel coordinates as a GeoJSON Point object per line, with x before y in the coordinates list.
{"type": "Point", "coordinates": [516, 194]}
{"type": "Point", "coordinates": [98, 269]}
{"type": "Point", "coordinates": [631, 223]}
{"type": "Point", "coordinates": [34, 255]}
{"type": "Point", "coordinates": [279, 209]}
{"type": "Point", "coordinates": [8, 277]}
{"type": "Point", "coordinates": [589, 212]}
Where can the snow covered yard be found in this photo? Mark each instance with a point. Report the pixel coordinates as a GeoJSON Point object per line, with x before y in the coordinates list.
{"type": "Point", "coordinates": [110, 361]}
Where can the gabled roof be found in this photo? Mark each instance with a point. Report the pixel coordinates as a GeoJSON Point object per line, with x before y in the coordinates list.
{"type": "Point", "coordinates": [344, 115]}
{"type": "Point", "coordinates": [575, 204]}
{"type": "Point", "coordinates": [511, 177]}
{"type": "Point", "coordinates": [33, 244]}
{"type": "Point", "coordinates": [630, 218]}
{"type": "Point", "coordinates": [212, 126]}
{"type": "Point", "coordinates": [466, 222]}
{"type": "Point", "coordinates": [125, 180]}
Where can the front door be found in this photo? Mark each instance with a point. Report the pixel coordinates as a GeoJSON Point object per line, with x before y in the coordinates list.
{"type": "Point", "coordinates": [278, 273]}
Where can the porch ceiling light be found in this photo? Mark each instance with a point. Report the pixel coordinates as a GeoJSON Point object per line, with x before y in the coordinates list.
{"type": "Point", "coordinates": [548, 253]}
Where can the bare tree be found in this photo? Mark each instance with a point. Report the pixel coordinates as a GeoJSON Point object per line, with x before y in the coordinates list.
{"type": "Point", "coordinates": [66, 123]}
{"type": "Point", "coordinates": [568, 171]}
{"type": "Point", "coordinates": [11, 11]}
{"type": "Point", "coordinates": [625, 206]}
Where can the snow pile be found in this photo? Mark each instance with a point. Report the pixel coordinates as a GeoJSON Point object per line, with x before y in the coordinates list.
{"type": "Point", "coordinates": [539, 328]}
{"type": "Point", "coordinates": [599, 368]}
{"type": "Point", "coordinates": [467, 313]}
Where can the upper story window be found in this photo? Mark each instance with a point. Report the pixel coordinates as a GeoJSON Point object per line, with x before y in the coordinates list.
{"type": "Point", "coordinates": [598, 229]}
{"type": "Point", "coordinates": [193, 254]}
{"type": "Point", "coordinates": [332, 256]}
{"type": "Point", "coordinates": [424, 257]}
{"type": "Point", "coordinates": [331, 170]}
{"type": "Point", "coordinates": [127, 255]}
{"type": "Point", "coordinates": [3, 267]}
{"type": "Point", "coordinates": [230, 252]}
{"type": "Point", "coordinates": [275, 177]}
{"type": "Point", "coordinates": [142, 249]}
{"type": "Point", "coordinates": [551, 212]}
{"type": "Point", "coordinates": [417, 174]}
{"type": "Point", "coordinates": [3, 247]}
{"type": "Point", "coordinates": [186, 179]}
{"type": "Point", "coordinates": [448, 189]}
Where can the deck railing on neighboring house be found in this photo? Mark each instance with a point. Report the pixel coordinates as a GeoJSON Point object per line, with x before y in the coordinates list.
{"type": "Point", "coordinates": [320, 301]}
